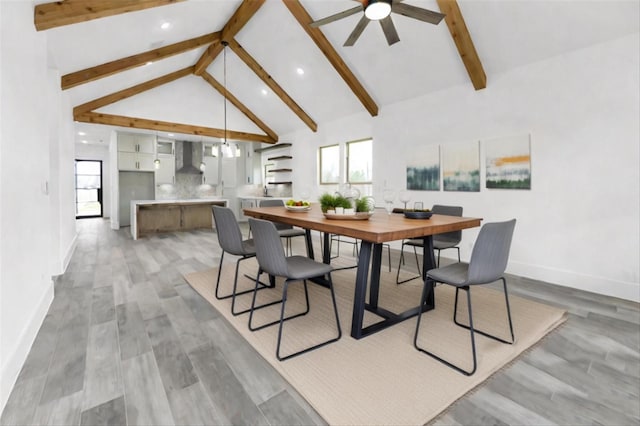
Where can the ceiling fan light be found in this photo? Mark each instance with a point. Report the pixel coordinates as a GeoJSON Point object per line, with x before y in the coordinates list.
{"type": "Point", "coordinates": [378, 9]}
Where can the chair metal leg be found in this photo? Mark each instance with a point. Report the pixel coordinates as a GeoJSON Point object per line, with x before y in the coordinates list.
{"type": "Point", "coordinates": [235, 293]}
{"type": "Point", "coordinates": [282, 319]}
{"type": "Point", "coordinates": [218, 280]}
{"type": "Point", "coordinates": [282, 300]}
{"type": "Point", "coordinates": [506, 298]}
{"type": "Point", "coordinates": [401, 262]}
{"type": "Point", "coordinates": [439, 250]}
{"type": "Point", "coordinates": [428, 287]}
{"type": "Point", "coordinates": [235, 280]}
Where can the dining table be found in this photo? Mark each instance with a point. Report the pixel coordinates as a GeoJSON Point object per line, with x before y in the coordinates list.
{"type": "Point", "coordinates": [373, 230]}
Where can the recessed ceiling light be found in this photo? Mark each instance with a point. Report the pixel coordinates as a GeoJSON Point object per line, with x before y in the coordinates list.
{"type": "Point", "coordinates": [81, 133]}
{"type": "Point", "coordinates": [165, 25]}
{"type": "Point", "coordinates": [84, 141]}
{"type": "Point", "coordinates": [149, 63]}
{"type": "Point", "coordinates": [300, 71]}
{"type": "Point", "coordinates": [264, 92]}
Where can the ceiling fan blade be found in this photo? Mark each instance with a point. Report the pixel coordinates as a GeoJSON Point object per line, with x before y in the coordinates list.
{"type": "Point", "coordinates": [389, 30]}
{"type": "Point", "coordinates": [336, 17]}
{"type": "Point", "coordinates": [353, 37]}
{"type": "Point", "coordinates": [418, 13]}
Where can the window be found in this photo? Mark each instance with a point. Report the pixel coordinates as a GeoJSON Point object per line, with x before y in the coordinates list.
{"type": "Point", "coordinates": [359, 159]}
{"type": "Point", "coordinates": [329, 164]}
{"type": "Point", "coordinates": [88, 188]}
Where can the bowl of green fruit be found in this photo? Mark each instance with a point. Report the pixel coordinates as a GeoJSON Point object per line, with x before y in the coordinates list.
{"type": "Point", "coordinates": [297, 206]}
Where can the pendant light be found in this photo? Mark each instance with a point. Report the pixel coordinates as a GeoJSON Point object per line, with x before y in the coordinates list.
{"type": "Point", "coordinates": [225, 144]}
{"type": "Point", "coordinates": [156, 162]}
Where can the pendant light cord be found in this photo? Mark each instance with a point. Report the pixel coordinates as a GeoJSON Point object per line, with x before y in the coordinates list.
{"type": "Point", "coordinates": [224, 80]}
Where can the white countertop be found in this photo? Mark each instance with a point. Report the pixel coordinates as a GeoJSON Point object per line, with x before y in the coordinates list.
{"type": "Point", "coordinates": [179, 201]}
{"type": "Point", "coordinates": [261, 197]}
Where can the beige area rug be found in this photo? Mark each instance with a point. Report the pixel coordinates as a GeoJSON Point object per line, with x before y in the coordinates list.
{"type": "Point", "coordinates": [382, 378]}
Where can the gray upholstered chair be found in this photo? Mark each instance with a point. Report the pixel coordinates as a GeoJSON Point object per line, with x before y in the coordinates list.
{"type": "Point", "coordinates": [449, 240]}
{"type": "Point", "coordinates": [487, 265]}
{"type": "Point", "coordinates": [230, 240]}
{"type": "Point", "coordinates": [272, 260]}
{"type": "Point", "coordinates": [284, 230]}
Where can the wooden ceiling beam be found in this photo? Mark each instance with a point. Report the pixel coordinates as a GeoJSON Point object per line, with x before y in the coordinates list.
{"type": "Point", "coordinates": [240, 17]}
{"type": "Point", "coordinates": [113, 67]}
{"type": "Point", "coordinates": [165, 126]}
{"type": "Point", "coordinates": [207, 57]}
{"type": "Point", "coordinates": [131, 91]}
{"type": "Point", "coordinates": [60, 13]}
{"type": "Point", "coordinates": [266, 78]}
{"type": "Point", "coordinates": [246, 111]}
{"type": "Point", "coordinates": [464, 43]}
{"type": "Point", "coordinates": [304, 19]}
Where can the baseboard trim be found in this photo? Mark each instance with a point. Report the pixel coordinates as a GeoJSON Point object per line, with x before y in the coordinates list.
{"type": "Point", "coordinates": [594, 284]}
{"type": "Point", "coordinates": [10, 369]}
{"type": "Point", "coordinates": [69, 254]}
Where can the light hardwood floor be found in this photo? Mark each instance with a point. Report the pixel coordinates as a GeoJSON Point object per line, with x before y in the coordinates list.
{"type": "Point", "coordinates": [126, 341]}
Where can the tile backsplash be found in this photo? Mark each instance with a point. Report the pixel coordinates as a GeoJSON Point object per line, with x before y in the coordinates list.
{"type": "Point", "coordinates": [258, 190]}
{"type": "Point", "coordinates": [187, 186]}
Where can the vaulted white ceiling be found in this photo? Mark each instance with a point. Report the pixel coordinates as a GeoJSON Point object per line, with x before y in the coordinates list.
{"type": "Point", "coordinates": [506, 34]}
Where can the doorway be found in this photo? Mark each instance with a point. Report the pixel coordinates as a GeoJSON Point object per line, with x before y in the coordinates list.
{"type": "Point", "coordinates": [88, 188]}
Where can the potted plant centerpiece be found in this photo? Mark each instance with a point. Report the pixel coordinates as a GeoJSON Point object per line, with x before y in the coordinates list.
{"type": "Point", "coordinates": [329, 202]}
{"type": "Point", "coordinates": [339, 204]}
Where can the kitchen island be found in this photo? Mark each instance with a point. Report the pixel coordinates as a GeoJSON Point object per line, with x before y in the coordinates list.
{"type": "Point", "coordinates": [153, 216]}
{"type": "Point", "coordinates": [253, 201]}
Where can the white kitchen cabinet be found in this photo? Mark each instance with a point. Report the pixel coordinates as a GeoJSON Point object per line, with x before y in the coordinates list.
{"type": "Point", "coordinates": [166, 172]}
{"type": "Point", "coordinates": [136, 152]}
{"type": "Point", "coordinates": [232, 174]}
{"type": "Point", "coordinates": [129, 142]}
{"type": "Point", "coordinates": [211, 160]}
{"type": "Point", "coordinates": [253, 167]}
{"type": "Point", "coordinates": [246, 203]}
{"type": "Point", "coordinates": [165, 147]}
{"type": "Point", "coordinates": [132, 161]}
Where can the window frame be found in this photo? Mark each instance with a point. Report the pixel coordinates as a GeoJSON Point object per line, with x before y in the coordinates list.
{"type": "Point", "coordinates": [347, 162]}
{"type": "Point", "coordinates": [320, 168]}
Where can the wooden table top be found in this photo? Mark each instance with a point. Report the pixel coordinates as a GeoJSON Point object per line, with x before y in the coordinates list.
{"type": "Point", "coordinates": [379, 228]}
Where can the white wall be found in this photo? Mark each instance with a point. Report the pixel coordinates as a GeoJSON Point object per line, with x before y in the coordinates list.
{"type": "Point", "coordinates": [99, 152]}
{"type": "Point", "coordinates": [578, 226]}
{"type": "Point", "coordinates": [34, 186]}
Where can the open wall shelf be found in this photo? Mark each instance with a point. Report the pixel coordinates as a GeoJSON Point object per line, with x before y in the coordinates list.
{"type": "Point", "coordinates": [272, 147]}
{"type": "Point", "coordinates": [280, 157]}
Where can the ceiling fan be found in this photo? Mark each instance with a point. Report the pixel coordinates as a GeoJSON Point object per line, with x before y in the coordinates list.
{"type": "Point", "coordinates": [380, 10]}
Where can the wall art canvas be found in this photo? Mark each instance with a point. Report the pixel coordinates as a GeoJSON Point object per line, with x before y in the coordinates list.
{"type": "Point", "coordinates": [423, 169]}
{"type": "Point", "coordinates": [508, 162]}
{"type": "Point", "coordinates": [461, 167]}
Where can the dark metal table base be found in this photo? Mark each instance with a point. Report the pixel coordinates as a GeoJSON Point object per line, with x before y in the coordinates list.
{"type": "Point", "coordinates": [359, 303]}
{"type": "Point", "coordinates": [370, 259]}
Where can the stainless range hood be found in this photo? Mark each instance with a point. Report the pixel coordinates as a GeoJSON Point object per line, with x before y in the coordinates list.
{"type": "Point", "coordinates": [188, 157]}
